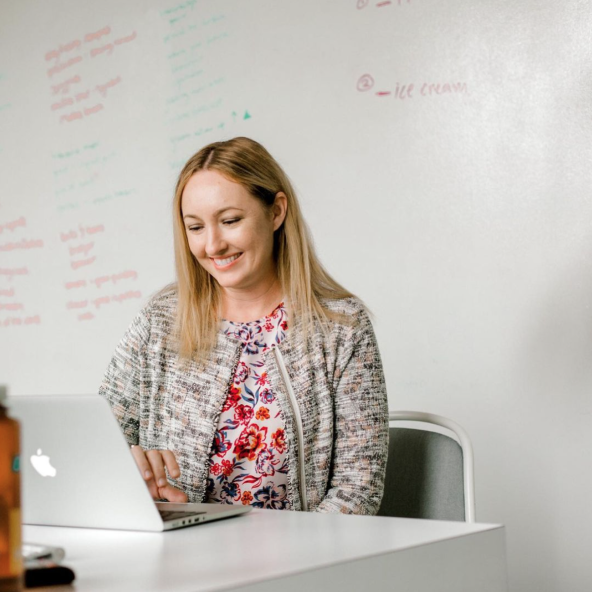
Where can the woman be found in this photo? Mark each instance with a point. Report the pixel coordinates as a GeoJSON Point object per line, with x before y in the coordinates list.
{"type": "Point", "coordinates": [256, 378]}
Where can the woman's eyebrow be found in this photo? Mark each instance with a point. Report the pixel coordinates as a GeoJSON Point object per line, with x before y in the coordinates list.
{"type": "Point", "coordinates": [216, 213]}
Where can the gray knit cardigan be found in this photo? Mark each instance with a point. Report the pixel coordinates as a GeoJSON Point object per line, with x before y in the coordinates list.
{"type": "Point", "coordinates": [330, 387]}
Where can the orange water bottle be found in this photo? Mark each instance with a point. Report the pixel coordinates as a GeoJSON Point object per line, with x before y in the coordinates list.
{"type": "Point", "coordinates": [11, 565]}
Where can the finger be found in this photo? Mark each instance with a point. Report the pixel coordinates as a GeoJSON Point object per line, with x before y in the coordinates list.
{"type": "Point", "coordinates": [142, 462]}
{"type": "Point", "coordinates": [172, 494]}
{"type": "Point", "coordinates": [171, 464]}
{"type": "Point", "coordinates": [157, 466]}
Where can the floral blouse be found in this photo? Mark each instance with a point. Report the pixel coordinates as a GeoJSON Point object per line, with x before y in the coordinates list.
{"type": "Point", "coordinates": [248, 461]}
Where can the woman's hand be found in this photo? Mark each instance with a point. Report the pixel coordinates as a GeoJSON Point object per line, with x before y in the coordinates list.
{"type": "Point", "coordinates": [152, 464]}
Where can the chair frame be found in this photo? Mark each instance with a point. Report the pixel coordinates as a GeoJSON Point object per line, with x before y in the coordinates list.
{"type": "Point", "coordinates": [465, 444]}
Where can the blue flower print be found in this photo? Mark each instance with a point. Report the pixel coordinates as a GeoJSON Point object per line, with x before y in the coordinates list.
{"type": "Point", "coordinates": [271, 497]}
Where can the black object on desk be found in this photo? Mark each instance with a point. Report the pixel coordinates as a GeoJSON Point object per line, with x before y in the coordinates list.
{"type": "Point", "coordinates": [47, 573]}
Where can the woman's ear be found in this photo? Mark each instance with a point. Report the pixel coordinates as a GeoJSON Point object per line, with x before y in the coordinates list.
{"type": "Point", "coordinates": [279, 209]}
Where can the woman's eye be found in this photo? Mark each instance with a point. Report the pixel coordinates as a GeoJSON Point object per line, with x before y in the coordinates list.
{"type": "Point", "coordinates": [231, 221]}
{"type": "Point", "coordinates": [194, 228]}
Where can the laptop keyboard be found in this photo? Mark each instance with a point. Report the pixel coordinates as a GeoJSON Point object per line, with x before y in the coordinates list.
{"type": "Point", "coordinates": [172, 515]}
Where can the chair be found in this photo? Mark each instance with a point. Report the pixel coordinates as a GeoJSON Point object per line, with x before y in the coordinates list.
{"type": "Point", "coordinates": [429, 474]}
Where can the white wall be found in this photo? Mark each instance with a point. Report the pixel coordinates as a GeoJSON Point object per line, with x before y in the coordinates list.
{"type": "Point", "coordinates": [463, 219]}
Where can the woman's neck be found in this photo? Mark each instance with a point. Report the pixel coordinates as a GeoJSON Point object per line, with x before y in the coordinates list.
{"type": "Point", "coordinates": [239, 306]}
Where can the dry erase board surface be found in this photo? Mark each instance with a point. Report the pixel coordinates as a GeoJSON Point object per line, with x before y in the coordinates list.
{"type": "Point", "coordinates": [442, 153]}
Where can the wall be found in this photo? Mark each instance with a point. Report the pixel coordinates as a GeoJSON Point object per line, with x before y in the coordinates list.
{"type": "Point", "coordinates": [442, 155]}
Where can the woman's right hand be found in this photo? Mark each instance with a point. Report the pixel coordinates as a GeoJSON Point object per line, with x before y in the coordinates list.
{"type": "Point", "coordinates": [153, 465]}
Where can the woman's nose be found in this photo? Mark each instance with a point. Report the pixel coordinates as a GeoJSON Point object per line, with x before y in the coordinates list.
{"type": "Point", "coordinates": [215, 243]}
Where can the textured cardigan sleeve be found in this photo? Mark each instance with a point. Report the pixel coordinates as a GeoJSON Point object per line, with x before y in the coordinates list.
{"type": "Point", "coordinates": [361, 428]}
{"type": "Point", "coordinates": [121, 384]}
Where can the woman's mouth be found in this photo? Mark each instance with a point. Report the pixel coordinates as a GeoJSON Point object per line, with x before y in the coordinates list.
{"type": "Point", "coordinates": [226, 262]}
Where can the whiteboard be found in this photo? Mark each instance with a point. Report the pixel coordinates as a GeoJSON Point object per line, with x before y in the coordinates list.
{"type": "Point", "coordinates": [442, 154]}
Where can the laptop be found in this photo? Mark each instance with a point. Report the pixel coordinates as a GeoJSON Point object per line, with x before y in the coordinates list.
{"type": "Point", "coordinates": [77, 470]}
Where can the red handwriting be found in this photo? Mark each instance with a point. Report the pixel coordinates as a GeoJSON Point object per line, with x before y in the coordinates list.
{"type": "Point", "coordinates": [84, 249]}
{"type": "Point", "coordinates": [77, 304]}
{"type": "Point", "coordinates": [411, 90]}
{"type": "Point", "coordinates": [35, 320]}
{"type": "Point", "coordinates": [55, 53]}
{"type": "Point", "coordinates": [69, 236]}
{"type": "Point", "coordinates": [9, 293]}
{"type": "Point", "coordinates": [102, 88]}
{"type": "Point", "coordinates": [64, 87]}
{"type": "Point", "coordinates": [82, 262]}
{"type": "Point", "coordinates": [124, 275]}
{"type": "Point", "coordinates": [21, 222]}
{"type": "Point", "coordinates": [23, 244]}
{"type": "Point", "coordinates": [15, 271]}
{"type": "Point", "coordinates": [83, 95]}
{"type": "Point", "coordinates": [59, 67]}
{"type": "Point", "coordinates": [77, 284]}
{"type": "Point", "coordinates": [97, 35]}
{"type": "Point", "coordinates": [12, 306]}
{"type": "Point", "coordinates": [93, 229]}
{"type": "Point", "coordinates": [87, 316]}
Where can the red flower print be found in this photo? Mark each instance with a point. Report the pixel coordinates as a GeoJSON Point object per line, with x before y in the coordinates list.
{"type": "Point", "coordinates": [262, 413]}
{"type": "Point", "coordinates": [268, 326]}
{"type": "Point", "coordinates": [227, 467]}
{"type": "Point", "coordinates": [247, 498]}
{"type": "Point", "coordinates": [243, 414]}
{"type": "Point", "coordinates": [233, 398]}
{"type": "Point", "coordinates": [216, 469]}
{"type": "Point", "coordinates": [242, 373]}
{"type": "Point", "coordinates": [284, 325]}
{"type": "Point", "coordinates": [250, 442]}
{"type": "Point", "coordinates": [262, 380]}
{"type": "Point", "coordinates": [278, 440]}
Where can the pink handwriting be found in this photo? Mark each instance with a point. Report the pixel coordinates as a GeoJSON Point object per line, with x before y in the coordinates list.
{"type": "Point", "coordinates": [78, 284]}
{"type": "Point", "coordinates": [101, 300]}
{"type": "Point", "coordinates": [94, 229]}
{"type": "Point", "coordinates": [65, 102]}
{"type": "Point", "coordinates": [127, 295]}
{"type": "Point", "coordinates": [128, 274]}
{"type": "Point", "coordinates": [14, 224]}
{"type": "Point", "coordinates": [125, 39]}
{"type": "Point", "coordinates": [55, 53]}
{"type": "Point", "coordinates": [77, 304]}
{"type": "Point", "coordinates": [64, 87]}
{"type": "Point", "coordinates": [12, 306]}
{"type": "Point", "coordinates": [82, 262]}
{"type": "Point", "coordinates": [14, 271]}
{"type": "Point", "coordinates": [99, 50]}
{"type": "Point", "coordinates": [94, 109]}
{"type": "Point", "coordinates": [59, 67]}
{"type": "Point", "coordinates": [35, 320]}
{"type": "Point", "coordinates": [102, 88]}
{"type": "Point", "coordinates": [23, 244]}
{"type": "Point", "coordinates": [72, 116]}
{"type": "Point", "coordinates": [410, 90]}
{"type": "Point", "coordinates": [83, 95]}
{"type": "Point", "coordinates": [87, 316]}
{"type": "Point", "coordinates": [9, 293]}
{"type": "Point", "coordinates": [84, 249]}
{"type": "Point", "coordinates": [97, 35]}
{"type": "Point", "coordinates": [69, 236]}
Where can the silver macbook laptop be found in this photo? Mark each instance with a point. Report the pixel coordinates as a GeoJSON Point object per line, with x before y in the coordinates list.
{"type": "Point", "coordinates": [77, 470]}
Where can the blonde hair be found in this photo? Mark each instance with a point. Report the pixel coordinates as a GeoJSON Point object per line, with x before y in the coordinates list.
{"type": "Point", "coordinates": [303, 279]}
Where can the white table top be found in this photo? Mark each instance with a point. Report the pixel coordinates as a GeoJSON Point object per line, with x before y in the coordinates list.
{"type": "Point", "coordinates": [261, 545]}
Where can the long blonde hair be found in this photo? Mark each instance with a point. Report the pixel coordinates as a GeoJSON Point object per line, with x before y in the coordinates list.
{"type": "Point", "coordinates": [303, 279]}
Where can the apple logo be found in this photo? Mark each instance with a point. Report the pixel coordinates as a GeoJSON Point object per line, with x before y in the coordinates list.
{"type": "Point", "coordinates": [42, 464]}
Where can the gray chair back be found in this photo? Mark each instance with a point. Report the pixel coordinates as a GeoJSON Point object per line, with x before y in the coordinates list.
{"type": "Point", "coordinates": [424, 476]}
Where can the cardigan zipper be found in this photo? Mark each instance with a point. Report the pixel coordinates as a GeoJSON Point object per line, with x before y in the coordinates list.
{"type": "Point", "coordinates": [300, 431]}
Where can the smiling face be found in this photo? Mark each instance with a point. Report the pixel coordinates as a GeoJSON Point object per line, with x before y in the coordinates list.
{"type": "Point", "coordinates": [230, 232]}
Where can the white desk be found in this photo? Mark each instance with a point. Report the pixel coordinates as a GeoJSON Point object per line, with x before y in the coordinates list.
{"type": "Point", "coordinates": [270, 550]}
